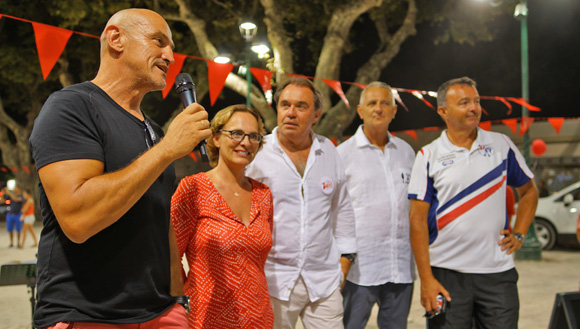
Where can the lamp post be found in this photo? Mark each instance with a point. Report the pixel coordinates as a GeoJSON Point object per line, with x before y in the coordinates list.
{"type": "Point", "coordinates": [248, 30]}
{"type": "Point", "coordinates": [531, 248]}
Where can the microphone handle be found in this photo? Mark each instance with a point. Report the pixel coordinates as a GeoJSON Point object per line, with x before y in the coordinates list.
{"type": "Point", "coordinates": [188, 97]}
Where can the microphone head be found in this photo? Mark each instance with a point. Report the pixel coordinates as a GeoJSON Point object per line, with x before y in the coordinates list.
{"type": "Point", "coordinates": [183, 82]}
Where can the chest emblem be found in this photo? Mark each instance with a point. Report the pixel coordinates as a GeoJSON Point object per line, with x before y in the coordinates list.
{"type": "Point", "coordinates": [486, 151]}
{"type": "Point", "coordinates": [326, 185]}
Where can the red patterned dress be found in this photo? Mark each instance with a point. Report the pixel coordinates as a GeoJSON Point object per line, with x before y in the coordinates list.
{"type": "Point", "coordinates": [226, 280]}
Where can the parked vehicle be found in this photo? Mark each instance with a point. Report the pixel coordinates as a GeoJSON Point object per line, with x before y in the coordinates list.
{"type": "Point", "coordinates": [556, 217]}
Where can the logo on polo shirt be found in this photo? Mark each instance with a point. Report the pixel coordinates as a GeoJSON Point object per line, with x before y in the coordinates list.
{"type": "Point", "coordinates": [447, 162]}
{"type": "Point", "coordinates": [486, 151]}
{"type": "Point", "coordinates": [326, 185]}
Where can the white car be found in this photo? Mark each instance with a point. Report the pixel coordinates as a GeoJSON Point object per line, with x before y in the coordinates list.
{"type": "Point", "coordinates": [556, 217]}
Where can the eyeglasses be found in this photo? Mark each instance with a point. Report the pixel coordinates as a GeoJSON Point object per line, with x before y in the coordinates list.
{"type": "Point", "coordinates": [238, 136]}
{"type": "Point", "coordinates": [152, 140]}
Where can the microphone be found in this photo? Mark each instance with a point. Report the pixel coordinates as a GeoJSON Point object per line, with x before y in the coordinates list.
{"type": "Point", "coordinates": [186, 91]}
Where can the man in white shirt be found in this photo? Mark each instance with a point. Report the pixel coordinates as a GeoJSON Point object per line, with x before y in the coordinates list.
{"type": "Point", "coordinates": [314, 231]}
{"type": "Point", "coordinates": [378, 168]}
{"type": "Point", "coordinates": [459, 222]}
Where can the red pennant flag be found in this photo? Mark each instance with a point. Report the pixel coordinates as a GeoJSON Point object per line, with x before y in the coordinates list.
{"type": "Point", "coordinates": [50, 43]}
{"type": "Point", "coordinates": [264, 77]}
{"type": "Point", "coordinates": [14, 169]}
{"type": "Point", "coordinates": [508, 104]}
{"type": "Point", "coordinates": [337, 87]}
{"type": "Point", "coordinates": [172, 72]}
{"type": "Point", "coordinates": [525, 125]}
{"type": "Point", "coordinates": [511, 123]}
{"type": "Point", "coordinates": [521, 102]}
{"type": "Point", "coordinates": [193, 156]}
{"type": "Point", "coordinates": [418, 94]}
{"type": "Point", "coordinates": [485, 125]}
{"type": "Point", "coordinates": [25, 168]}
{"type": "Point", "coordinates": [217, 75]}
{"type": "Point", "coordinates": [360, 85]}
{"type": "Point", "coordinates": [399, 100]}
{"type": "Point", "coordinates": [411, 133]}
{"type": "Point", "coordinates": [556, 123]}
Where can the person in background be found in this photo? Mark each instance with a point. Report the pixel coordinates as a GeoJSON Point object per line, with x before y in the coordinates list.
{"type": "Point", "coordinates": [28, 219]}
{"type": "Point", "coordinates": [378, 167]}
{"type": "Point", "coordinates": [459, 227]}
{"type": "Point", "coordinates": [223, 223]}
{"type": "Point", "coordinates": [107, 256]}
{"type": "Point", "coordinates": [13, 222]}
{"type": "Point", "coordinates": [314, 230]}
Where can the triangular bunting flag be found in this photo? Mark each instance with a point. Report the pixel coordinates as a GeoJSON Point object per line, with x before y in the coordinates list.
{"type": "Point", "coordinates": [217, 75]}
{"type": "Point", "coordinates": [337, 87]}
{"type": "Point", "coordinates": [525, 125]}
{"type": "Point", "coordinates": [411, 133]}
{"type": "Point", "coordinates": [521, 102]}
{"type": "Point", "coordinates": [556, 123]}
{"type": "Point", "coordinates": [511, 123]}
{"type": "Point", "coordinates": [508, 104]}
{"type": "Point", "coordinates": [50, 43]}
{"type": "Point", "coordinates": [264, 77]}
{"type": "Point", "coordinates": [418, 94]}
{"type": "Point", "coordinates": [399, 100]}
{"type": "Point", "coordinates": [193, 156]}
{"type": "Point", "coordinates": [174, 70]}
{"type": "Point", "coordinates": [360, 85]}
{"type": "Point", "coordinates": [485, 125]}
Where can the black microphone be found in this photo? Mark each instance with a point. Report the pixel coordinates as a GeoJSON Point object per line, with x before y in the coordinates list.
{"type": "Point", "coordinates": [186, 91]}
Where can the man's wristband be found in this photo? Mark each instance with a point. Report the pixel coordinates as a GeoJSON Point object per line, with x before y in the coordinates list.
{"type": "Point", "coordinates": [350, 257]}
{"type": "Point", "coordinates": [183, 301]}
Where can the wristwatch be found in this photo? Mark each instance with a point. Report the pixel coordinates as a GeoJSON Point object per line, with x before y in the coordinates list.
{"type": "Point", "coordinates": [183, 301]}
{"type": "Point", "coordinates": [519, 236]}
{"type": "Point", "coordinates": [350, 257]}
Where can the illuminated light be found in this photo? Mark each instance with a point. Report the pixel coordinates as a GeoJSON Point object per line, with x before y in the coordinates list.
{"type": "Point", "coordinates": [222, 59]}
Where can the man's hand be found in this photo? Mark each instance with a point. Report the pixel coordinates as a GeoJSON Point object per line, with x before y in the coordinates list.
{"type": "Point", "coordinates": [345, 266]}
{"type": "Point", "coordinates": [430, 288]}
{"type": "Point", "coordinates": [186, 131]}
{"type": "Point", "coordinates": [509, 242]}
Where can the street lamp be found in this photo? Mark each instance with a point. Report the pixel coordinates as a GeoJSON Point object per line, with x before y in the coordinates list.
{"type": "Point", "coordinates": [248, 30]}
{"type": "Point", "coordinates": [531, 249]}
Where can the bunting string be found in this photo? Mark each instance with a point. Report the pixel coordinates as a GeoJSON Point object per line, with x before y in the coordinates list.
{"type": "Point", "coordinates": [51, 42]}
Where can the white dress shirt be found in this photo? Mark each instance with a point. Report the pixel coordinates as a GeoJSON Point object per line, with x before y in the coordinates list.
{"type": "Point", "coordinates": [313, 217]}
{"type": "Point", "coordinates": [377, 183]}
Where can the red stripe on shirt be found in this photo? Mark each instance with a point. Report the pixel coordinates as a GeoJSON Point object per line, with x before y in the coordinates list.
{"type": "Point", "coordinates": [452, 215]}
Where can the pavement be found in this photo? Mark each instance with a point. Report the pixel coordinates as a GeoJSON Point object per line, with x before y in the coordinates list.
{"type": "Point", "coordinates": [558, 271]}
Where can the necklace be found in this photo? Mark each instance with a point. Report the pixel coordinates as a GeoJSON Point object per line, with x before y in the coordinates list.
{"type": "Point", "coordinates": [236, 194]}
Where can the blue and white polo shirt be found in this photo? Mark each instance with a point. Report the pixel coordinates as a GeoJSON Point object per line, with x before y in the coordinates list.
{"type": "Point", "coordinates": [467, 193]}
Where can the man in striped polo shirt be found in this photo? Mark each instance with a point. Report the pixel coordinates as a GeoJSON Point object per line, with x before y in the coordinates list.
{"type": "Point", "coordinates": [459, 225]}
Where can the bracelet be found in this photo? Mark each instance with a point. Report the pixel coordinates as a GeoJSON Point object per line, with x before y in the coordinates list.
{"type": "Point", "coordinates": [183, 301]}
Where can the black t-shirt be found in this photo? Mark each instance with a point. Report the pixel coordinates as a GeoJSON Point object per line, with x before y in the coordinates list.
{"type": "Point", "coordinates": [121, 274]}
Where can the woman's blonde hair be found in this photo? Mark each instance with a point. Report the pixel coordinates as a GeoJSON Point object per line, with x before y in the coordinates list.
{"type": "Point", "coordinates": [219, 121]}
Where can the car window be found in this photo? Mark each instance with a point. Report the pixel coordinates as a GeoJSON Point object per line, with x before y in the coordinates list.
{"type": "Point", "coordinates": [575, 193]}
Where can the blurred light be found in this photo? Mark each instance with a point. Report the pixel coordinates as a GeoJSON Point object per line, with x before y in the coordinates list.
{"type": "Point", "coordinates": [521, 11]}
{"type": "Point", "coordinates": [10, 184]}
{"type": "Point", "coordinates": [248, 30]}
{"type": "Point", "coordinates": [261, 49]}
{"type": "Point", "coordinates": [222, 59]}
{"type": "Point", "coordinates": [242, 70]}
{"type": "Point", "coordinates": [432, 93]}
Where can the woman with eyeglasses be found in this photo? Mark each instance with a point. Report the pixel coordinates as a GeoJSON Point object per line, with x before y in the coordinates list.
{"type": "Point", "coordinates": [223, 222]}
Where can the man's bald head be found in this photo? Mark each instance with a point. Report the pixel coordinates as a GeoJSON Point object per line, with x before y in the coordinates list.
{"type": "Point", "coordinates": [128, 20]}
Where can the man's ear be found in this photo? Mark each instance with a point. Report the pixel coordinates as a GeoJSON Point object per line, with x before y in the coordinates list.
{"type": "Point", "coordinates": [442, 111]}
{"type": "Point", "coordinates": [115, 39]}
{"type": "Point", "coordinates": [359, 110]}
{"type": "Point", "coordinates": [317, 114]}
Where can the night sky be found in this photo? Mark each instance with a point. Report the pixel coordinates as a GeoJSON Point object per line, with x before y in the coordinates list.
{"type": "Point", "coordinates": [554, 48]}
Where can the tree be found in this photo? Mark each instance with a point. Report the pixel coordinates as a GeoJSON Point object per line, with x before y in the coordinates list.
{"type": "Point", "coordinates": [312, 38]}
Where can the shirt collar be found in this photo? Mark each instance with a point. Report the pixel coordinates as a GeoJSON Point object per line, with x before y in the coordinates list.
{"type": "Point", "coordinates": [362, 139]}
{"type": "Point", "coordinates": [276, 143]}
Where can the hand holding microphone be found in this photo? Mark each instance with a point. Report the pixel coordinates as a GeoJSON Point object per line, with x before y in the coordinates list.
{"type": "Point", "coordinates": [186, 91]}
